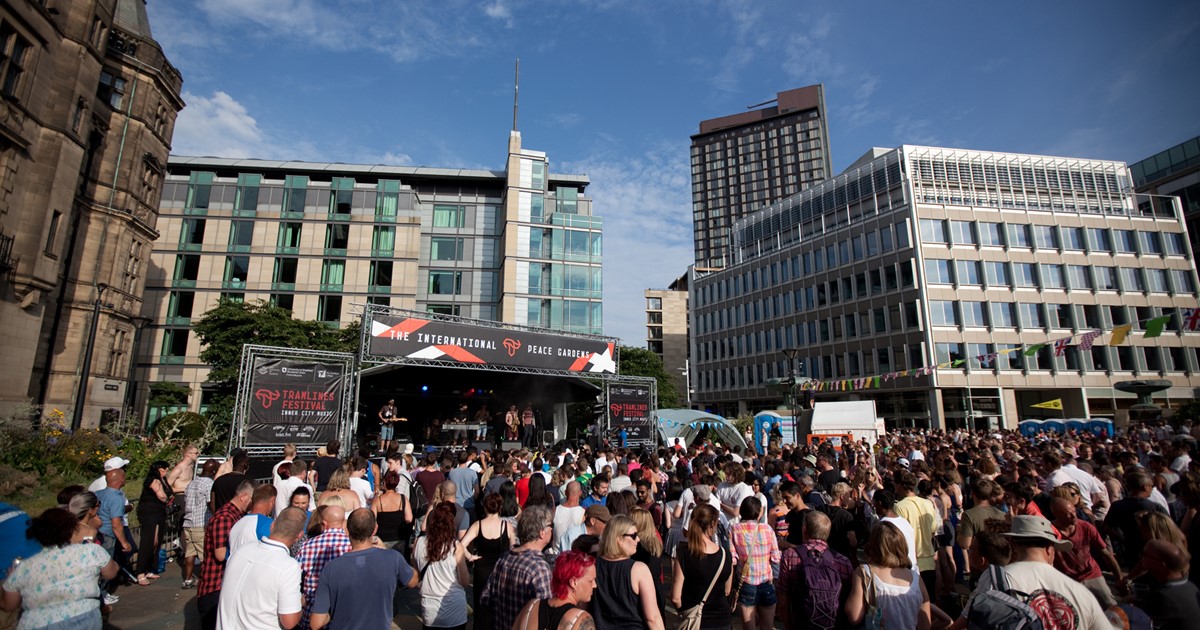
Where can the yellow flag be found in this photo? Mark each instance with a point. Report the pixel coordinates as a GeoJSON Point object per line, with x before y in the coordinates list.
{"type": "Point", "coordinates": [1119, 334]}
{"type": "Point", "coordinates": [1050, 404]}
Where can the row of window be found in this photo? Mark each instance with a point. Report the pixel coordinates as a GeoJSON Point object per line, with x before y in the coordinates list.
{"type": "Point", "coordinates": [881, 361]}
{"type": "Point", "coordinates": [845, 252]}
{"type": "Point", "coordinates": [996, 173]}
{"type": "Point", "coordinates": [1057, 276]}
{"type": "Point", "coordinates": [897, 318]}
{"type": "Point", "coordinates": [1053, 237]}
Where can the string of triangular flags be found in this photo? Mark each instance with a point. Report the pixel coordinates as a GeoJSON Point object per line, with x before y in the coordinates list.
{"type": "Point", "coordinates": [698, 424]}
{"type": "Point", "coordinates": [1153, 327]}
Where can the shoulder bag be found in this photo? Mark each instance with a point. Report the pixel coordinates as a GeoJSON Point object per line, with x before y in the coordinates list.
{"type": "Point", "coordinates": [690, 619]}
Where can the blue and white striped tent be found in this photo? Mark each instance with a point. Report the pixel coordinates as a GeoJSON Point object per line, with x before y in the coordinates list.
{"type": "Point", "coordinates": [687, 424]}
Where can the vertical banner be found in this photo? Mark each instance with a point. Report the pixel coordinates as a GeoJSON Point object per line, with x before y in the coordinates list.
{"type": "Point", "coordinates": [293, 401]}
{"type": "Point", "coordinates": [629, 406]}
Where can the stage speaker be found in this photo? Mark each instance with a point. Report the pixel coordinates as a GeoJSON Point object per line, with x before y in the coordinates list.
{"type": "Point", "coordinates": [485, 445]}
{"type": "Point", "coordinates": [510, 446]}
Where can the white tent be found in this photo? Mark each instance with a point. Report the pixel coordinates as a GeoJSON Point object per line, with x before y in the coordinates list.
{"type": "Point", "coordinates": [688, 423]}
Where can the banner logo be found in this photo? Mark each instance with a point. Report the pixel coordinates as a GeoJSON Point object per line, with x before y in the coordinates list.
{"type": "Point", "coordinates": [266, 397]}
{"type": "Point", "coordinates": [615, 409]}
{"type": "Point", "coordinates": [512, 345]}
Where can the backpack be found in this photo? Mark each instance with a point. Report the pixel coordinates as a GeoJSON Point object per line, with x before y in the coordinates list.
{"type": "Point", "coordinates": [420, 502]}
{"type": "Point", "coordinates": [819, 592]}
{"type": "Point", "coordinates": [1001, 606]}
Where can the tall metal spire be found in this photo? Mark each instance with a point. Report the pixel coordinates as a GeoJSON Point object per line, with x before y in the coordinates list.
{"type": "Point", "coordinates": [516, 90]}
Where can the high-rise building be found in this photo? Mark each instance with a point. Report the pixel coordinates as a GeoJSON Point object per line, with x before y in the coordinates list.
{"type": "Point", "coordinates": [969, 264]}
{"type": "Point", "coordinates": [747, 161]}
{"type": "Point", "coordinates": [1174, 173]}
{"type": "Point", "coordinates": [87, 108]}
{"type": "Point", "coordinates": [667, 331]}
{"type": "Point", "coordinates": [519, 245]}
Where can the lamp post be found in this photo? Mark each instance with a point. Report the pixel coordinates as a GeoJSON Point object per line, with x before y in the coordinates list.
{"type": "Point", "coordinates": [82, 387]}
{"type": "Point", "coordinates": [687, 380]}
{"type": "Point", "coordinates": [791, 354]}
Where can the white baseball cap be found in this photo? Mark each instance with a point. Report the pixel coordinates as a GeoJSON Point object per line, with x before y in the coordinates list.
{"type": "Point", "coordinates": [114, 463]}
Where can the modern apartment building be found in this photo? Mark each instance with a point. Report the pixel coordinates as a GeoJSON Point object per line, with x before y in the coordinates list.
{"type": "Point", "coordinates": [744, 162]}
{"type": "Point", "coordinates": [87, 109]}
{"type": "Point", "coordinates": [519, 245]}
{"type": "Point", "coordinates": [971, 261]}
{"type": "Point", "coordinates": [1174, 173]}
{"type": "Point", "coordinates": [667, 331]}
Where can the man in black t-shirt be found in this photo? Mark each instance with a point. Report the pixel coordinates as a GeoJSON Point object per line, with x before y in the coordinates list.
{"type": "Point", "coordinates": [1120, 523]}
{"type": "Point", "coordinates": [842, 536]}
{"type": "Point", "coordinates": [224, 488]}
{"type": "Point", "coordinates": [327, 464]}
{"type": "Point", "coordinates": [827, 474]}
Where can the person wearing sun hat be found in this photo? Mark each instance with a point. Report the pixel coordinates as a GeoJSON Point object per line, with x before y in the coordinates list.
{"type": "Point", "coordinates": [1060, 601]}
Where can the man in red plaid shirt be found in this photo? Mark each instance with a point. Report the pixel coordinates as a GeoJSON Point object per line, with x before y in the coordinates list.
{"type": "Point", "coordinates": [216, 553]}
{"type": "Point", "coordinates": [316, 552]}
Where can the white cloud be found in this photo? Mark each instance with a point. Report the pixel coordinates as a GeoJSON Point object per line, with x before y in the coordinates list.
{"type": "Point", "coordinates": [645, 203]}
{"type": "Point", "coordinates": [748, 38]}
{"type": "Point", "coordinates": [499, 10]}
{"type": "Point", "coordinates": [567, 120]}
{"type": "Point", "coordinates": [220, 126]}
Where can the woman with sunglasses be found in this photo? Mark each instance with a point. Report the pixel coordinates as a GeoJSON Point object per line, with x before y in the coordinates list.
{"type": "Point", "coordinates": [625, 595]}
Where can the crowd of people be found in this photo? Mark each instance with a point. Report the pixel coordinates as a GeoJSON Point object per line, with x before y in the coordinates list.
{"type": "Point", "coordinates": [924, 529]}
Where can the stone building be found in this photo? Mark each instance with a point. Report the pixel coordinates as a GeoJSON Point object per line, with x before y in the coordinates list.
{"type": "Point", "coordinates": [87, 107]}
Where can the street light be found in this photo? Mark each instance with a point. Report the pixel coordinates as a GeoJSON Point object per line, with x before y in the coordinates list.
{"type": "Point", "coordinates": [792, 354]}
{"type": "Point", "coordinates": [687, 380]}
{"type": "Point", "coordinates": [81, 388]}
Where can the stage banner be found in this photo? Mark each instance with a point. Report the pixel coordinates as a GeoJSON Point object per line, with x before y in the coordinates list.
{"type": "Point", "coordinates": [293, 401]}
{"type": "Point", "coordinates": [439, 340]}
{"type": "Point", "coordinates": [629, 406]}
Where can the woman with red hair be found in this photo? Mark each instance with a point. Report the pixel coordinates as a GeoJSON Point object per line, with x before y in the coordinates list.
{"type": "Point", "coordinates": [571, 588]}
{"type": "Point", "coordinates": [442, 560]}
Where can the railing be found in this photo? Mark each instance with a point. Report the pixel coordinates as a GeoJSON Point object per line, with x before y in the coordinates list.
{"type": "Point", "coordinates": [7, 262]}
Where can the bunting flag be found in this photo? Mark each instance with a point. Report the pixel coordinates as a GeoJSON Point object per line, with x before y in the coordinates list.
{"type": "Point", "coordinates": [1191, 318]}
{"type": "Point", "coordinates": [1034, 349]}
{"type": "Point", "coordinates": [1061, 346]}
{"type": "Point", "coordinates": [1154, 327]}
{"type": "Point", "coordinates": [1119, 334]}
{"type": "Point", "coordinates": [876, 382]}
{"type": "Point", "coordinates": [985, 360]}
{"type": "Point", "coordinates": [1086, 339]}
{"type": "Point", "coordinates": [1050, 404]}
{"type": "Point", "coordinates": [957, 363]}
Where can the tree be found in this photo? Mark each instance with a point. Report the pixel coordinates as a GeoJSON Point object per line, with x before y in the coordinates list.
{"type": "Point", "coordinates": [223, 331]}
{"type": "Point", "coordinates": [642, 362]}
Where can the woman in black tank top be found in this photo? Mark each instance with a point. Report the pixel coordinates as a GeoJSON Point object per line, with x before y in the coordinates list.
{"type": "Point", "coordinates": [626, 596]}
{"type": "Point", "coordinates": [484, 552]}
{"type": "Point", "coordinates": [571, 588]}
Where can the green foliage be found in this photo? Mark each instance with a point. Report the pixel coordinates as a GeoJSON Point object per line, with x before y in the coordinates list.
{"type": "Point", "coordinates": [642, 362]}
{"type": "Point", "coordinates": [223, 331]}
{"type": "Point", "coordinates": [742, 422]}
{"type": "Point", "coordinates": [186, 426]}
{"type": "Point", "coordinates": [1187, 411]}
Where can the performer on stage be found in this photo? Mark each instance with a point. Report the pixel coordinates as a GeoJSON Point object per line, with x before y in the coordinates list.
{"type": "Point", "coordinates": [528, 429]}
{"type": "Point", "coordinates": [512, 422]}
{"type": "Point", "coordinates": [460, 418]}
{"type": "Point", "coordinates": [482, 418]}
{"type": "Point", "coordinates": [387, 430]}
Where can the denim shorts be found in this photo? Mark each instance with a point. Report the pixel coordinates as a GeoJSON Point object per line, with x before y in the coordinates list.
{"type": "Point", "coordinates": [757, 595]}
{"type": "Point", "coordinates": [386, 432]}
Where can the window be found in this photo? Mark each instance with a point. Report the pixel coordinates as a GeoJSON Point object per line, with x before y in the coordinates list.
{"type": "Point", "coordinates": [383, 240]}
{"type": "Point", "coordinates": [381, 273]}
{"type": "Point", "coordinates": [387, 200]}
{"type": "Point", "coordinates": [1072, 238]}
{"type": "Point", "coordinates": [329, 308]}
{"type": "Point", "coordinates": [973, 315]}
{"type": "Point", "coordinates": [938, 271]}
{"type": "Point", "coordinates": [1153, 359]}
{"type": "Point", "coordinates": [1125, 241]}
{"type": "Point", "coordinates": [1023, 275]}
{"type": "Point", "coordinates": [285, 270]}
{"type": "Point", "coordinates": [187, 267]}
{"type": "Point", "coordinates": [1010, 357]}
{"type": "Point", "coordinates": [962, 233]}
{"type": "Point", "coordinates": [856, 247]}
{"type": "Point", "coordinates": [885, 238]}
{"type": "Point", "coordinates": [942, 313]}
{"type": "Point", "coordinates": [333, 274]}
{"type": "Point", "coordinates": [1151, 245]}
{"type": "Point", "coordinates": [1046, 236]}
{"type": "Point", "coordinates": [997, 274]}
{"type": "Point", "coordinates": [990, 234]}
{"type": "Point", "coordinates": [1031, 315]}
{"type": "Point", "coordinates": [1106, 278]}
{"type": "Point", "coordinates": [872, 244]}
{"type": "Point", "coordinates": [1175, 244]}
{"type": "Point", "coordinates": [112, 88]}
{"type": "Point", "coordinates": [175, 342]}
{"type": "Point", "coordinates": [454, 309]}
{"type": "Point", "coordinates": [1183, 280]}
{"type": "Point", "coordinates": [968, 272]}
{"type": "Point", "coordinates": [445, 282]}
{"type": "Point", "coordinates": [1177, 362]}
{"type": "Point", "coordinates": [445, 248]}
{"type": "Point", "coordinates": [295, 193]}
{"type": "Point", "coordinates": [449, 216]}
{"type": "Point", "coordinates": [1099, 241]}
{"type": "Point", "coordinates": [1131, 280]}
{"type": "Point", "coordinates": [1060, 316]}
{"type": "Point", "coordinates": [247, 193]}
{"type": "Point", "coordinates": [1100, 358]}
{"type": "Point", "coordinates": [337, 236]}
{"type": "Point", "coordinates": [13, 50]}
{"type": "Point", "coordinates": [1002, 315]}
{"type": "Point", "coordinates": [52, 234]}
{"type": "Point", "coordinates": [283, 300]}
{"type": "Point", "coordinates": [1125, 361]}
{"type": "Point", "coordinates": [910, 315]}
{"type": "Point", "coordinates": [341, 197]}
{"type": "Point", "coordinates": [237, 270]}
{"type": "Point", "coordinates": [199, 190]}
{"type": "Point", "coordinates": [180, 304]}
{"type": "Point", "coordinates": [1018, 235]}
{"type": "Point", "coordinates": [241, 235]}
{"type": "Point", "coordinates": [1052, 276]}
{"type": "Point", "coordinates": [948, 353]}
{"type": "Point", "coordinates": [289, 236]}
{"type": "Point", "coordinates": [1156, 279]}
{"type": "Point", "coordinates": [192, 232]}
{"type": "Point", "coordinates": [933, 231]}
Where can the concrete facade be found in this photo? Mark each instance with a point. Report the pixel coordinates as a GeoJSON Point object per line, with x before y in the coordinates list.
{"type": "Point", "coordinates": [87, 109]}
{"type": "Point", "coordinates": [667, 331]}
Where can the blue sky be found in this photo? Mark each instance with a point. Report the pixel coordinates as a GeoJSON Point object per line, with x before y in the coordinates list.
{"type": "Point", "coordinates": [614, 88]}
